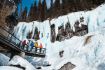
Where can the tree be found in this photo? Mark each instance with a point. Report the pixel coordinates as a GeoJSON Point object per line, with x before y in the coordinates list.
{"type": "Point", "coordinates": [24, 14]}
{"type": "Point", "coordinates": [51, 4]}
{"type": "Point", "coordinates": [50, 10]}
{"type": "Point", "coordinates": [43, 12]}
{"type": "Point", "coordinates": [20, 12]}
{"type": "Point", "coordinates": [32, 16]}
{"type": "Point", "coordinates": [57, 4]}
{"type": "Point", "coordinates": [57, 7]}
{"type": "Point", "coordinates": [35, 11]}
{"type": "Point", "coordinates": [39, 9]}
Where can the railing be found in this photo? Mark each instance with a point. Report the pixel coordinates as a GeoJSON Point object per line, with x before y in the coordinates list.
{"type": "Point", "coordinates": [10, 38]}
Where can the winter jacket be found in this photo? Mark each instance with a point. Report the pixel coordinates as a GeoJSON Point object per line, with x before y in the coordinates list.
{"type": "Point", "coordinates": [40, 45]}
{"type": "Point", "coordinates": [32, 44]}
{"type": "Point", "coordinates": [36, 44]}
{"type": "Point", "coordinates": [24, 42]}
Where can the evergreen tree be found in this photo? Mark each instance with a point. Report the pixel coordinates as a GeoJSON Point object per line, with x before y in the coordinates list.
{"type": "Point", "coordinates": [64, 6]}
{"type": "Point", "coordinates": [51, 4]}
{"type": "Point", "coordinates": [50, 10]}
{"type": "Point", "coordinates": [32, 16]}
{"type": "Point", "coordinates": [24, 14]}
{"type": "Point", "coordinates": [57, 7]}
{"type": "Point", "coordinates": [43, 12]}
{"type": "Point", "coordinates": [35, 11]}
{"type": "Point", "coordinates": [39, 9]}
{"type": "Point", "coordinates": [20, 14]}
{"type": "Point", "coordinates": [57, 4]}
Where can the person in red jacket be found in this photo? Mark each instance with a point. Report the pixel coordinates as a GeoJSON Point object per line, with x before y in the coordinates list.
{"type": "Point", "coordinates": [24, 44]}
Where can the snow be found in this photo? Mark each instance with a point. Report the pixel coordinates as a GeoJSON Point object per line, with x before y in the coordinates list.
{"type": "Point", "coordinates": [9, 68]}
{"type": "Point", "coordinates": [17, 60]}
{"type": "Point", "coordinates": [3, 59]}
{"type": "Point", "coordinates": [97, 19]}
{"type": "Point", "coordinates": [89, 56]}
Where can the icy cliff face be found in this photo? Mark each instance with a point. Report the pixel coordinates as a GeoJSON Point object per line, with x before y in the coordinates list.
{"type": "Point", "coordinates": [95, 20]}
{"type": "Point", "coordinates": [86, 52]}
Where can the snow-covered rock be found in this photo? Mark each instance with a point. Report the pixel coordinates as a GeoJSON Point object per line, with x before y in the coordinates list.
{"type": "Point", "coordinates": [17, 60]}
{"type": "Point", "coordinates": [9, 68]}
{"type": "Point", "coordinates": [3, 60]}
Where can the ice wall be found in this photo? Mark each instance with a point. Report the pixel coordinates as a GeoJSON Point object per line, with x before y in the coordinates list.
{"type": "Point", "coordinates": [95, 20]}
{"type": "Point", "coordinates": [88, 56]}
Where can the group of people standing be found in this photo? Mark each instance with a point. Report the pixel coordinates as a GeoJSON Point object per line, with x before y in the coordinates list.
{"type": "Point", "coordinates": [29, 45]}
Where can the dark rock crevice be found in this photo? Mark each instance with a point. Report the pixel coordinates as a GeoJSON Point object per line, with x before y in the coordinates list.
{"type": "Point", "coordinates": [67, 66]}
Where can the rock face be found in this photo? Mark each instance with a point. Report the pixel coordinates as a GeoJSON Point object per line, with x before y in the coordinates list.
{"type": "Point", "coordinates": [68, 66]}
{"type": "Point", "coordinates": [7, 8]}
{"type": "Point", "coordinates": [101, 66]}
{"type": "Point", "coordinates": [66, 30]}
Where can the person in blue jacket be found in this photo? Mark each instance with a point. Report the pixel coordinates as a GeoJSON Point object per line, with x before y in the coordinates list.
{"type": "Point", "coordinates": [31, 45]}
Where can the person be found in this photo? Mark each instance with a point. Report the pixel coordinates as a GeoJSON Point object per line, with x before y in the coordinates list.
{"type": "Point", "coordinates": [40, 46]}
{"type": "Point", "coordinates": [31, 45]}
{"type": "Point", "coordinates": [24, 44]}
{"type": "Point", "coordinates": [36, 46]}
